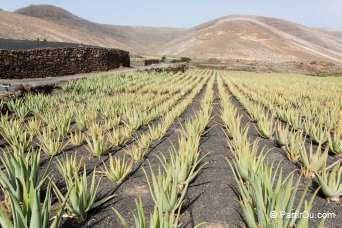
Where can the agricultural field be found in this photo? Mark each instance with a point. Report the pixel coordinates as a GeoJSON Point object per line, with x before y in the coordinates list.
{"type": "Point", "coordinates": [204, 148]}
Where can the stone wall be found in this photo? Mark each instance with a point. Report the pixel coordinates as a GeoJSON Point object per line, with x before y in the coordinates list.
{"type": "Point", "coordinates": [39, 63]}
{"type": "Point", "coordinates": [149, 62]}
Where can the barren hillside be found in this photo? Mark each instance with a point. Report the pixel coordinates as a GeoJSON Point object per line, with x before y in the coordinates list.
{"type": "Point", "coordinates": [57, 24]}
{"type": "Point", "coordinates": [256, 38]}
{"type": "Point", "coordinates": [232, 37]}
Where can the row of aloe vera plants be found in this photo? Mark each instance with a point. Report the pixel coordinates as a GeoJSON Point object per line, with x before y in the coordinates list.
{"type": "Point", "coordinates": [169, 186]}
{"type": "Point", "coordinates": [312, 162]}
{"type": "Point", "coordinates": [261, 186]}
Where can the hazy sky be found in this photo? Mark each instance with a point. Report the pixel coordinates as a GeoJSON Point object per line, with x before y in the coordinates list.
{"type": "Point", "coordinates": [188, 13]}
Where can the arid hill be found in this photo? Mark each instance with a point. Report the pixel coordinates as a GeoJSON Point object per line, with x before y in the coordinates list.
{"type": "Point", "coordinates": [256, 38]}
{"type": "Point", "coordinates": [233, 37]}
{"type": "Point", "coordinates": [57, 24]}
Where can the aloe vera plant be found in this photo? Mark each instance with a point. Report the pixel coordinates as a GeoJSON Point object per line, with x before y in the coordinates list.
{"type": "Point", "coordinates": [245, 158]}
{"type": "Point", "coordinates": [77, 138]}
{"type": "Point", "coordinates": [254, 112]}
{"type": "Point", "coordinates": [10, 130]}
{"type": "Point", "coordinates": [281, 135]}
{"type": "Point", "coordinates": [21, 142]}
{"type": "Point", "coordinates": [266, 125]}
{"type": "Point", "coordinates": [22, 173]}
{"type": "Point", "coordinates": [156, 132]}
{"type": "Point", "coordinates": [294, 146]}
{"type": "Point", "coordinates": [18, 107]}
{"type": "Point", "coordinates": [268, 193]}
{"type": "Point", "coordinates": [23, 188]}
{"type": "Point", "coordinates": [295, 120]}
{"type": "Point", "coordinates": [118, 137]}
{"type": "Point", "coordinates": [82, 197]}
{"type": "Point", "coordinates": [112, 122]}
{"type": "Point", "coordinates": [62, 125]}
{"type": "Point", "coordinates": [96, 145]}
{"type": "Point", "coordinates": [33, 126]}
{"type": "Point", "coordinates": [82, 119]}
{"type": "Point", "coordinates": [49, 142]}
{"type": "Point", "coordinates": [179, 165]}
{"type": "Point", "coordinates": [233, 125]}
{"type": "Point", "coordinates": [118, 169]}
{"type": "Point", "coordinates": [318, 133]}
{"type": "Point", "coordinates": [70, 165]}
{"type": "Point", "coordinates": [330, 182]}
{"type": "Point", "coordinates": [35, 215]}
{"type": "Point", "coordinates": [22, 112]}
{"type": "Point", "coordinates": [144, 141]}
{"type": "Point", "coordinates": [136, 153]}
{"type": "Point", "coordinates": [164, 190]}
{"type": "Point", "coordinates": [335, 142]}
{"type": "Point", "coordinates": [157, 219]}
{"type": "Point", "coordinates": [313, 162]}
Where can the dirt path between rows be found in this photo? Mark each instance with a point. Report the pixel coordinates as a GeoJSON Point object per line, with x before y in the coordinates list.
{"type": "Point", "coordinates": [213, 201]}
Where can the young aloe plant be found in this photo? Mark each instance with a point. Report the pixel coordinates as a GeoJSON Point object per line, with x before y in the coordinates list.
{"type": "Point", "coordinates": [22, 111]}
{"type": "Point", "coordinates": [317, 132]}
{"type": "Point", "coordinates": [330, 182]}
{"type": "Point", "coordinates": [11, 130]}
{"type": "Point", "coordinates": [82, 120]}
{"type": "Point", "coordinates": [136, 153]}
{"type": "Point", "coordinates": [295, 120]}
{"type": "Point", "coordinates": [156, 132]}
{"type": "Point", "coordinates": [266, 125]}
{"type": "Point", "coordinates": [118, 169]}
{"type": "Point", "coordinates": [314, 162]}
{"type": "Point", "coordinates": [77, 138]}
{"type": "Point", "coordinates": [246, 159]}
{"type": "Point", "coordinates": [117, 137]}
{"type": "Point", "coordinates": [22, 142]}
{"type": "Point", "coordinates": [82, 196]}
{"type": "Point", "coordinates": [158, 218]}
{"type": "Point", "coordinates": [49, 142]}
{"type": "Point", "coordinates": [69, 165]}
{"type": "Point", "coordinates": [19, 107]}
{"type": "Point", "coordinates": [33, 126]}
{"type": "Point", "coordinates": [179, 165]}
{"type": "Point", "coordinates": [134, 119]}
{"type": "Point", "coordinates": [164, 190]}
{"type": "Point", "coordinates": [36, 214]}
{"type": "Point", "coordinates": [112, 122]}
{"type": "Point", "coordinates": [281, 135]}
{"type": "Point", "coordinates": [335, 142]}
{"type": "Point", "coordinates": [294, 146]}
{"type": "Point", "coordinates": [268, 193]}
{"type": "Point", "coordinates": [23, 188]}
{"type": "Point", "coordinates": [96, 146]}
{"type": "Point", "coordinates": [254, 111]}
{"type": "Point", "coordinates": [144, 141]}
{"type": "Point", "coordinates": [233, 126]}
{"type": "Point", "coordinates": [22, 174]}
{"type": "Point", "coordinates": [62, 125]}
